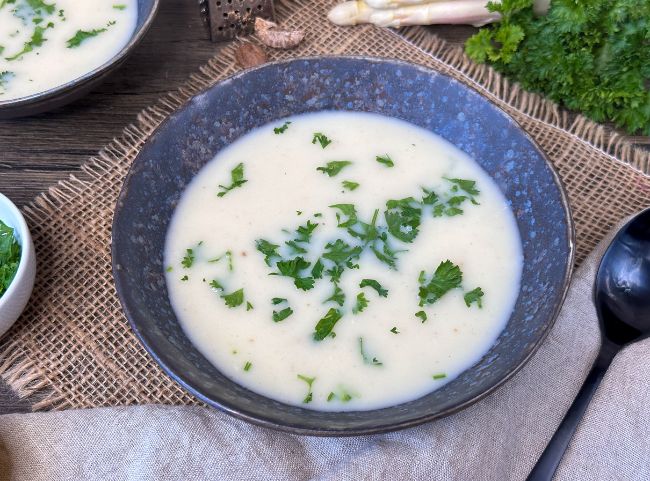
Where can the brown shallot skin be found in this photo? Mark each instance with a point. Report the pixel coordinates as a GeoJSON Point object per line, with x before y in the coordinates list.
{"type": "Point", "coordinates": [250, 55]}
{"type": "Point", "coordinates": [271, 36]}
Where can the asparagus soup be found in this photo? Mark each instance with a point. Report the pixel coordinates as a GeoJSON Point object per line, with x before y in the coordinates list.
{"type": "Point", "coordinates": [47, 44]}
{"type": "Point", "coordinates": [342, 261]}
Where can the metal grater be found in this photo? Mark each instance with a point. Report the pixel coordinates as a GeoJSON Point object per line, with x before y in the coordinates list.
{"type": "Point", "coordinates": [227, 19]}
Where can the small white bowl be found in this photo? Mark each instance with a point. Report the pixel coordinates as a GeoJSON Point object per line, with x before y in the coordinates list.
{"type": "Point", "coordinates": [14, 300]}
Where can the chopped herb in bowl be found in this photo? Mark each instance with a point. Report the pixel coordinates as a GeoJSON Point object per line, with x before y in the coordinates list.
{"type": "Point", "coordinates": [9, 256]}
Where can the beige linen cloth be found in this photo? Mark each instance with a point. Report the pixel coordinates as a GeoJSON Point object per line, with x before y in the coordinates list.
{"type": "Point", "coordinates": [497, 439]}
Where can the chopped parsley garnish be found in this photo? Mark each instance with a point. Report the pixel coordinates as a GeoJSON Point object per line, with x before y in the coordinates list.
{"type": "Point", "coordinates": [83, 35]}
{"type": "Point", "coordinates": [35, 41]}
{"type": "Point", "coordinates": [317, 270]}
{"type": "Point", "coordinates": [422, 315]}
{"type": "Point", "coordinates": [326, 324]}
{"type": "Point", "coordinates": [403, 218]}
{"type": "Point", "coordinates": [447, 276]}
{"type": "Point", "coordinates": [278, 300]}
{"type": "Point", "coordinates": [338, 296]}
{"type": "Point", "coordinates": [451, 207]}
{"type": "Point", "coordinates": [234, 299]}
{"type": "Point", "coordinates": [346, 210]}
{"type": "Point", "coordinates": [185, 278]}
{"type": "Point", "coordinates": [293, 268]}
{"type": "Point", "coordinates": [120, 6]}
{"type": "Point", "coordinates": [237, 180]}
{"type": "Point", "coordinates": [215, 285]}
{"type": "Point", "coordinates": [333, 167]}
{"type": "Point", "coordinates": [386, 160]}
{"type": "Point", "coordinates": [346, 397]}
{"type": "Point", "coordinates": [37, 6]}
{"type": "Point", "coordinates": [361, 304]}
{"type": "Point", "coordinates": [394, 330]}
{"type": "Point", "coordinates": [330, 396]}
{"type": "Point", "coordinates": [282, 129]}
{"type": "Point", "coordinates": [248, 365]}
{"type": "Point", "coordinates": [321, 139]}
{"type": "Point", "coordinates": [474, 295]}
{"type": "Point", "coordinates": [269, 250]}
{"type": "Point", "coordinates": [366, 358]}
{"type": "Point", "coordinates": [282, 315]}
{"type": "Point", "coordinates": [349, 185]}
{"type": "Point", "coordinates": [340, 252]}
{"type": "Point", "coordinates": [188, 259]}
{"type": "Point", "coordinates": [249, 306]}
{"type": "Point", "coordinates": [309, 381]}
{"type": "Point", "coordinates": [439, 376]}
{"type": "Point", "coordinates": [375, 285]}
{"type": "Point", "coordinates": [227, 255]}
{"type": "Point", "coordinates": [468, 186]}
{"type": "Point", "coordinates": [10, 253]}
{"type": "Point", "coordinates": [169, 269]}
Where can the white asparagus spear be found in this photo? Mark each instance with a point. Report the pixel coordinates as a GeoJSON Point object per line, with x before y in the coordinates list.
{"type": "Point", "coordinates": [472, 12]}
{"type": "Point", "coordinates": [398, 3]}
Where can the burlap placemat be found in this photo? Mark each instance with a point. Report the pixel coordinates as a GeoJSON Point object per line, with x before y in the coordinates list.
{"type": "Point", "coordinates": [73, 348]}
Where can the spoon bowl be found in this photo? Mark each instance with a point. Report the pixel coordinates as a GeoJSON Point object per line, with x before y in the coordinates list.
{"type": "Point", "coordinates": [622, 300]}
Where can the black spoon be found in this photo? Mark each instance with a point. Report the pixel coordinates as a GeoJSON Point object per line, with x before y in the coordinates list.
{"type": "Point", "coordinates": [622, 298]}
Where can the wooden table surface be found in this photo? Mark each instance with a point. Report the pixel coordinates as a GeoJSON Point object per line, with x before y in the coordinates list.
{"type": "Point", "coordinates": [39, 151]}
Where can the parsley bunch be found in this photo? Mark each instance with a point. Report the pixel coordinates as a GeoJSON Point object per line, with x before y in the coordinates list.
{"type": "Point", "coordinates": [9, 256]}
{"type": "Point", "coordinates": [591, 56]}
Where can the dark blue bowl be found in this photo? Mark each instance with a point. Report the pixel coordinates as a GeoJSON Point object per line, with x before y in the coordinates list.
{"type": "Point", "coordinates": [210, 121]}
{"type": "Point", "coordinates": [77, 88]}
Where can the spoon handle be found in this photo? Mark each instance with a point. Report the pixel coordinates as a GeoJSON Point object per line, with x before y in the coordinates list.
{"type": "Point", "coordinates": [550, 459]}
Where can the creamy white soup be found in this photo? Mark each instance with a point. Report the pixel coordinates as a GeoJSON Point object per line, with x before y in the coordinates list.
{"type": "Point", "coordinates": [342, 261]}
{"type": "Point", "coordinates": [44, 44]}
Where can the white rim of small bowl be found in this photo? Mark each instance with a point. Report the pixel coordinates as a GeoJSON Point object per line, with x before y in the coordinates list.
{"type": "Point", "coordinates": [25, 247]}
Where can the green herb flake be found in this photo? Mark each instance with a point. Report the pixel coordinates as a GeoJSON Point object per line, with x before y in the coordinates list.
{"type": "Point", "coordinates": [268, 249]}
{"type": "Point", "coordinates": [234, 299]}
{"type": "Point", "coordinates": [317, 270]}
{"type": "Point", "coordinates": [310, 382]}
{"type": "Point", "coordinates": [37, 39]}
{"type": "Point", "coordinates": [338, 296]}
{"type": "Point", "coordinates": [333, 167]}
{"type": "Point", "coordinates": [439, 376]}
{"type": "Point", "coordinates": [468, 186]}
{"type": "Point", "coordinates": [188, 259]}
{"type": "Point", "coordinates": [10, 253]}
{"type": "Point", "coordinates": [169, 269]}
{"type": "Point", "coordinates": [386, 160]}
{"type": "Point", "coordinates": [321, 139]}
{"type": "Point", "coordinates": [345, 397]}
{"type": "Point", "coordinates": [249, 306]}
{"type": "Point", "coordinates": [282, 129]}
{"type": "Point", "coordinates": [403, 218]}
{"type": "Point", "coordinates": [447, 276]}
{"type": "Point", "coordinates": [422, 315]}
{"type": "Point", "coordinates": [474, 295]}
{"type": "Point", "coordinates": [278, 300]}
{"type": "Point", "coordinates": [83, 35]}
{"type": "Point", "coordinates": [236, 178]}
{"type": "Point", "coordinates": [247, 366]}
{"type": "Point", "coordinates": [325, 326]}
{"type": "Point", "coordinates": [347, 210]}
{"type": "Point", "coordinates": [394, 330]}
{"type": "Point", "coordinates": [119, 7]}
{"type": "Point", "coordinates": [185, 278]}
{"type": "Point", "coordinates": [361, 303]}
{"type": "Point", "coordinates": [278, 316]}
{"type": "Point", "coordinates": [375, 285]}
{"type": "Point", "coordinates": [330, 396]}
{"type": "Point", "coordinates": [366, 358]}
{"type": "Point", "coordinates": [215, 285]}
{"type": "Point", "coordinates": [349, 185]}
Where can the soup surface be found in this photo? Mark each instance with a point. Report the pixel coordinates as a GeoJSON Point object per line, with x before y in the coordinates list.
{"type": "Point", "coordinates": [342, 261]}
{"type": "Point", "coordinates": [46, 44]}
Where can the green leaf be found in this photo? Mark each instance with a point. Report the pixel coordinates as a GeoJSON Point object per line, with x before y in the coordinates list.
{"type": "Point", "coordinates": [35, 41]}
{"type": "Point", "coordinates": [310, 382]}
{"type": "Point", "coordinates": [386, 160]}
{"type": "Point", "coordinates": [317, 270]}
{"type": "Point", "coordinates": [282, 129]}
{"type": "Point", "coordinates": [269, 250]}
{"type": "Point", "coordinates": [247, 366]}
{"type": "Point", "coordinates": [361, 304]}
{"type": "Point", "coordinates": [375, 285]}
{"type": "Point", "coordinates": [10, 253]}
{"type": "Point", "coordinates": [321, 139]}
{"type": "Point", "coordinates": [326, 324]}
{"type": "Point", "coordinates": [403, 218]}
{"type": "Point", "coordinates": [292, 267]}
{"type": "Point", "coordinates": [447, 276]}
{"type": "Point", "coordinates": [216, 285]}
{"type": "Point", "coordinates": [474, 295]}
{"type": "Point", "coordinates": [278, 300]}
{"type": "Point", "coordinates": [282, 315]}
{"type": "Point", "coordinates": [249, 306]}
{"type": "Point", "coordinates": [394, 330]}
{"type": "Point", "coordinates": [346, 210]}
{"type": "Point", "coordinates": [349, 185]}
{"type": "Point", "coordinates": [188, 259]}
{"type": "Point", "coordinates": [366, 358]}
{"type": "Point", "coordinates": [468, 186]}
{"type": "Point", "coordinates": [234, 299]}
{"type": "Point", "coordinates": [340, 252]}
{"type": "Point", "coordinates": [338, 296]}
{"type": "Point", "coordinates": [83, 35]}
{"type": "Point", "coordinates": [439, 376]}
{"type": "Point", "coordinates": [237, 180]}
{"type": "Point", "coordinates": [422, 315]}
{"type": "Point", "coordinates": [333, 167]}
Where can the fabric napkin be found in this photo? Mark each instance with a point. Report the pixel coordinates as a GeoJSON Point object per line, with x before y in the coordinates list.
{"type": "Point", "coordinates": [496, 439]}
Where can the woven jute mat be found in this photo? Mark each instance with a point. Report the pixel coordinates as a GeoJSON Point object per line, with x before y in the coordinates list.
{"type": "Point", "coordinates": [73, 348]}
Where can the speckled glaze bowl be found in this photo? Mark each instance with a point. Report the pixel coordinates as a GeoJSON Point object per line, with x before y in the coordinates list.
{"type": "Point", "coordinates": [211, 121]}
{"type": "Point", "coordinates": [77, 88]}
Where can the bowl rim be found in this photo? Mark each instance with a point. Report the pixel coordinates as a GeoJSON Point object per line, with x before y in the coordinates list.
{"type": "Point", "coordinates": [104, 68]}
{"type": "Point", "coordinates": [25, 248]}
{"type": "Point", "coordinates": [385, 427]}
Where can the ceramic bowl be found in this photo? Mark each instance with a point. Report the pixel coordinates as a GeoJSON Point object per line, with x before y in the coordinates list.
{"type": "Point", "coordinates": [77, 88]}
{"type": "Point", "coordinates": [14, 300]}
{"type": "Point", "coordinates": [212, 120]}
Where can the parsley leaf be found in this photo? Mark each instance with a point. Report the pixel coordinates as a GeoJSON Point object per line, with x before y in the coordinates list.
{"type": "Point", "coordinates": [317, 270]}
{"type": "Point", "coordinates": [237, 179]}
{"type": "Point", "coordinates": [278, 300]}
{"type": "Point", "coordinates": [269, 250]}
{"type": "Point", "coordinates": [474, 295]}
{"type": "Point", "coordinates": [282, 129]}
{"type": "Point", "coordinates": [447, 276]}
{"type": "Point", "coordinates": [340, 252]}
{"type": "Point", "coordinates": [293, 268]}
{"type": "Point", "coordinates": [375, 285]}
{"type": "Point", "coordinates": [386, 160]}
{"type": "Point", "coordinates": [361, 304]}
{"type": "Point", "coordinates": [349, 185]}
{"type": "Point", "coordinates": [121, 6]}
{"type": "Point", "coordinates": [249, 306]}
{"type": "Point", "coordinates": [216, 285]}
{"type": "Point", "coordinates": [188, 259]}
{"type": "Point", "coordinates": [439, 376]}
{"type": "Point", "coordinates": [403, 218]}
{"type": "Point", "coordinates": [422, 315]}
{"type": "Point", "coordinates": [394, 330]}
{"type": "Point", "coordinates": [321, 139]}
{"type": "Point", "coordinates": [309, 381]}
{"type": "Point", "coordinates": [36, 40]}
{"type": "Point", "coordinates": [282, 315]}
{"type": "Point", "coordinates": [338, 296]}
{"type": "Point", "coordinates": [234, 299]}
{"type": "Point", "coordinates": [326, 324]}
{"type": "Point", "coordinates": [348, 210]}
{"type": "Point", "coordinates": [333, 167]}
{"type": "Point", "coordinates": [83, 35]}
{"type": "Point", "coordinates": [10, 253]}
{"type": "Point", "coordinates": [247, 366]}
{"type": "Point", "coordinates": [366, 358]}
{"type": "Point", "coordinates": [468, 186]}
